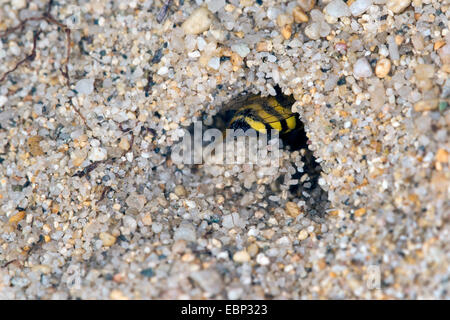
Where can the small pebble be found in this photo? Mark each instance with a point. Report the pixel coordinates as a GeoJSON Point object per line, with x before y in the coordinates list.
{"type": "Point", "coordinates": [262, 259]}
{"type": "Point", "coordinates": [241, 256]}
{"type": "Point", "coordinates": [41, 268]}
{"type": "Point", "coordinates": [446, 68]}
{"type": "Point", "coordinates": [163, 70]}
{"type": "Point", "coordinates": [124, 144]}
{"type": "Point", "coordinates": [147, 219]}
{"type": "Point", "coordinates": [424, 71]}
{"type": "Point", "coordinates": [107, 239]}
{"type": "Point", "coordinates": [393, 48]}
{"type": "Point", "coordinates": [284, 19]}
{"type": "Point", "coordinates": [272, 13]}
{"type": "Point", "coordinates": [418, 42]}
{"type": "Point", "coordinates": [194, 54]}
{"type": "Point", "coordinates": [85, 86]}
{"type": "Point", "coordinates": [129, 223]}
{"type": "Point", "coordinates": [316, 30]}
{"type": "Point", "coordinates": [157, 227]}
{"type": "Point", "coordinates": [208, 280]}
{"type": "Point", "coordinates": [264, 46]}
{"type": "Point", "coordinates": [360, 212]}
{"type": "Point", "coordinates": [241, 49]}
{"type": "Point", "coordinates": [438, 44]}
{"type": "Point", "coordinates": [97, 154]}
{"type": "Point", "coordinates": [19, 4]}
{"type": "Point", "coordinates": [186, 231]}
{"type": "Point", "coordinates": [337, 9]}
{"type": "Point", "coordinates": [116, 294]}
{"type": "Point", "coordinates": [180, 191]}
{"type": "Point", "coordinates": [137, 201]}
{"type": "Point", "coordinates": [359, 7]}
{"type": "Point", "coordinates": [426, 105]}
{"type": "Point", "coordinates": [235, 293]}
{"type": "Point", "coordinates": [382, 68]}
{"type": "Point", "coordinates": [292, 209]}
{"type": "Point", "coordinates": [78, 156]}
{"type": "Point", "coordinates": [148, 273]}
{"type": "Point", "coordinates": [17, 217]}
{"type": "Point", "coordinates": [362, 69]}
{"type": "Point", "coordinates": [302, 235]}
{"type": "Point", "coordinates": [442, 156]}
{"type": "Point", "coordinates": [215, 5]}
{"type": "Point", "coordinates": [286, 31]}
{"type": "Point", "coordinates": [444, 54]}
{"type": "Point", "coordinates": [252, 249]}
{"type": "Point", "coordinates": [3, 100]}
{"type": "Point", "coordinates": [397, 6]}
{"type": "Point", "coordinates": [119, 277]}
{"type": "Point", "coordinates": [214, 63]}
{"type": "Point", "coordinates": [199, 21]}
{"type": "Point", "coordinates": [299, 15]}
{"type": "Point", "coordinates": [34, 145]}
{"type": "Point", "coordinates": [306, 5]}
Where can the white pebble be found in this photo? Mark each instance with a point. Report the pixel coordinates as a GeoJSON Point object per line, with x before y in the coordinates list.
{"type": "Point", "coordinates": [200, 20]}
{"type": "Point", "coordinates": [316, 15]}
{"type": "Point", "coordinates": [215, 5]}
{"type": "Point", "coordinates": [3, 100]}
{"type": "Point", "coordinates": [98, 154]}
{"type": "Point", "coordinates": [18, 4]}
{"type": "Point", "coordinates": [272, 13]}
{"type": "Point", "coordinates": [312, 31]}
{"type": "Point", "coordinates": [241, 256]}
{"type": "Point", "coordinates": [393, 48]}
{"type": "Point", "coordinates": [186, 231]}
{"type": "Point", "coordinates": [227, 221]}
{"type": "Point", "coordinates": [194, 54]}
{"type": "Point", "coordinates": [359, 7]}
{"type": "Point", "coordinates": [156, 227]}
{"type": "Point", "coordinates": [271, 58]}
{"type": "Point", "coordinates": [397, 6]}
{"type": "Point", "coordinates": [241, 49]}
{"type": "Point", "coordinates": [163, 70]}
{"type": "Point", "coordinates": [383, 50]}
{"type": "Point", "coordinates": [337, 9]}
{"type": "Point", "coordinates": [201, 43]}
{"type": "Point", "coordinates": [136, 201]}
{"type": "Point", "coordinates": [262, 259]}
{"type": "Point", "coordinates": [209, 280]}
{"type": "Point", "coordinates": [317, 30]}
{"type": "Point", "coordinates": [85, 86]}
{"type": "Point", "coordinates": [362, 69]}
{"type": "Point", "coordinates": [214, 63]}
{"type": "Point", "coordinates": [235, 293]}
{"type": "Point", "coordinates": [129, 223]}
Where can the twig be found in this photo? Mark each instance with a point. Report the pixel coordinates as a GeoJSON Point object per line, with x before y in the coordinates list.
{"type": "Point", "coordinates": [46, 16]}
{"type": "Point", "coordinates": [28, 57]}
{"type": "Point", "coordinates": [88, 169]}
{"type": "Point", "coordinates": [8, 263]}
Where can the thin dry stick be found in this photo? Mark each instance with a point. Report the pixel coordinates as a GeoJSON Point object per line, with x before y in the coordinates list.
{"type": "Point", "coordinates": [29, 57]}
{"type": "Point", "coordinates": [64, 69]}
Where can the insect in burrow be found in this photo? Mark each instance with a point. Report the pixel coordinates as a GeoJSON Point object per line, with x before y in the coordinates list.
{"type": "Point", "coordinates": [263, 114]}
{"type": "Point", "coordinates": [266, 113]}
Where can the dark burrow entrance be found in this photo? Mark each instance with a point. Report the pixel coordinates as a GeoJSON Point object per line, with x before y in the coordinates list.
{"type": "Point", "coordinates": [307, 187]}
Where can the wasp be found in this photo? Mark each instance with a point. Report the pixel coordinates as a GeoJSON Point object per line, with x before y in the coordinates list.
{"type": "Point", "coordinates": [263, 114]}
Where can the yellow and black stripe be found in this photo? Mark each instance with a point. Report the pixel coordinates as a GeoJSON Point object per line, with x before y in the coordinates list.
{"type": "Point", "coordinates": [263, 114]}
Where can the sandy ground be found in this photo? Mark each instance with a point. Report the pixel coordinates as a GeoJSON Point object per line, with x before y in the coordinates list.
{"type": "Point", "coordinates": [93, 207]}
